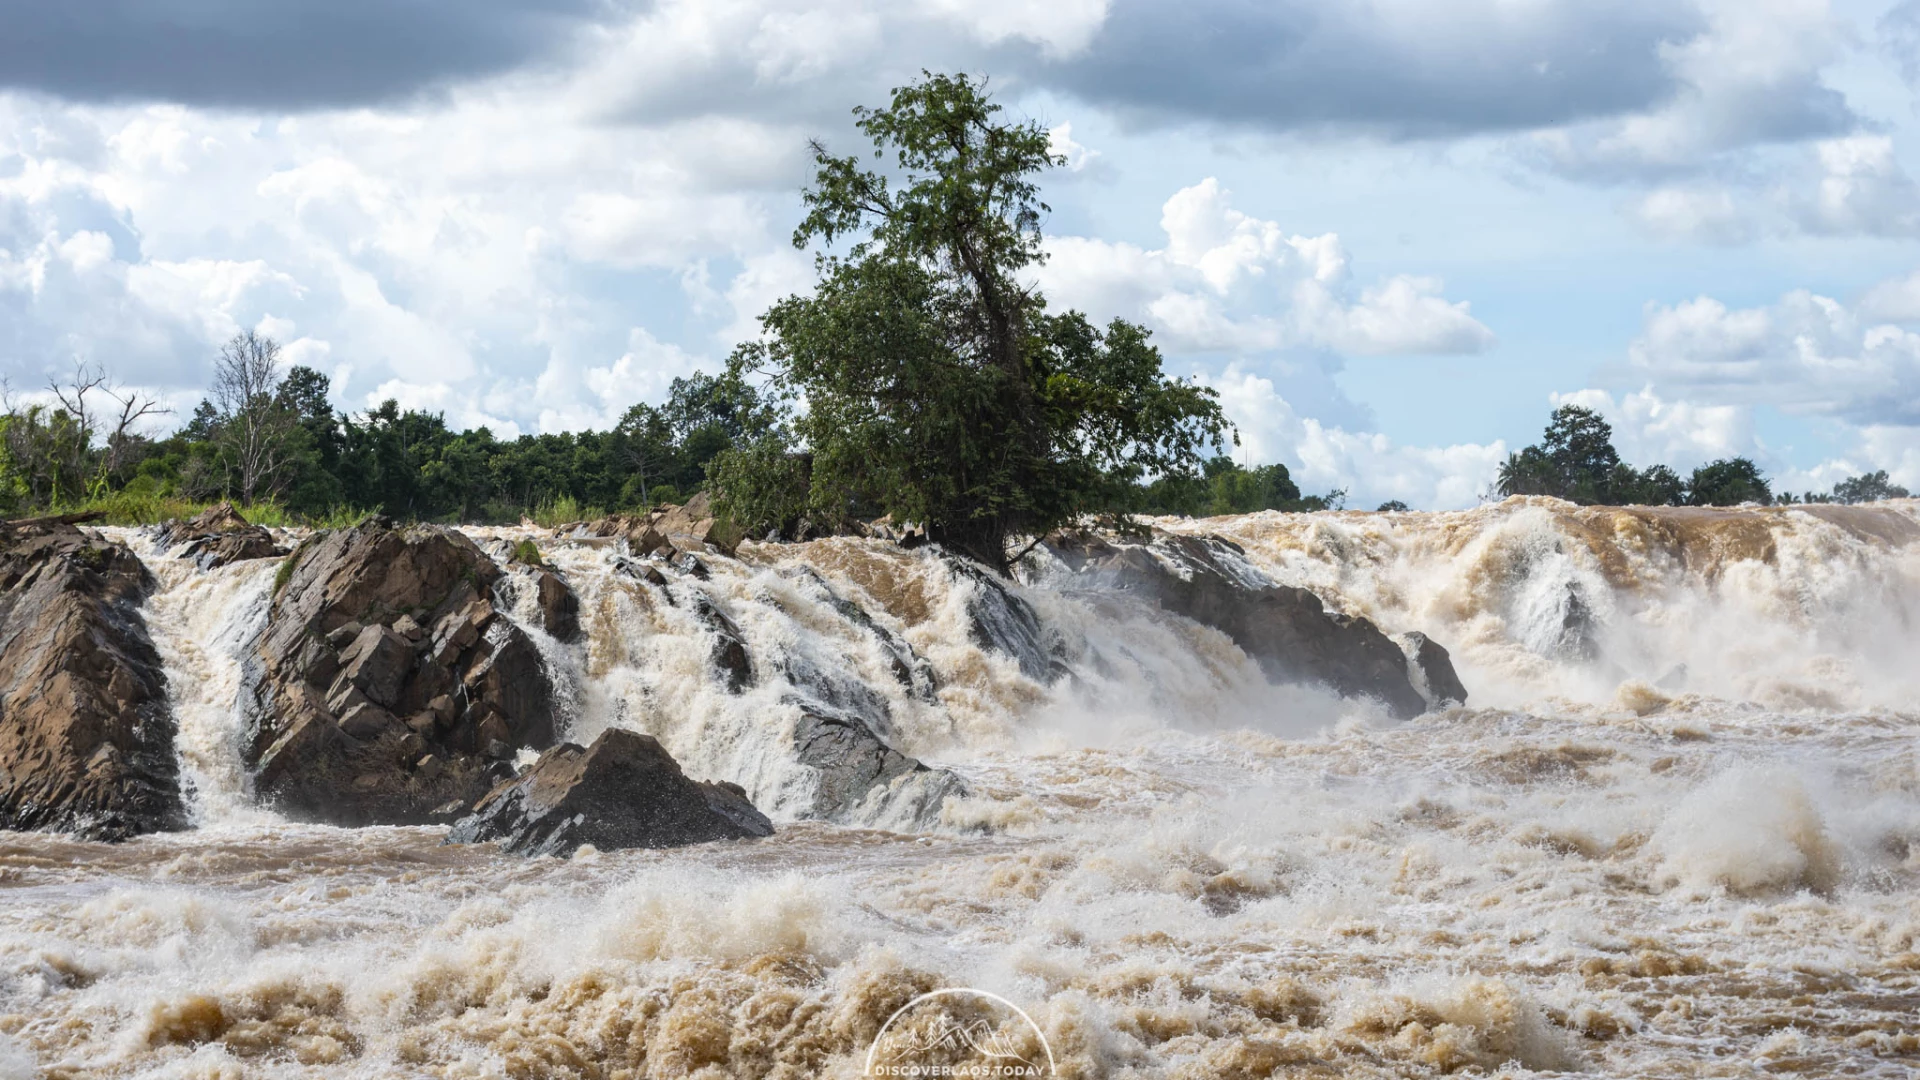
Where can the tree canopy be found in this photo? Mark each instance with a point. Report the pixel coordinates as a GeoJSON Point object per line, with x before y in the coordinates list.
{"type": "Point", "coordinates": [925, 376]}
{"type": "Point", "coordinates": [1575, 460]}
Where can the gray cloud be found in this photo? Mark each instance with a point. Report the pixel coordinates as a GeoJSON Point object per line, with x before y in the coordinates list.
{"type": "Point", "coordinates": [289, 54]}
{"type": "Point", "coordinates": [1900, 39]}
{"type": "Point", "coordinates": [1405, 69]}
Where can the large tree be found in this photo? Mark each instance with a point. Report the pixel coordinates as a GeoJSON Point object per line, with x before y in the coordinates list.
{"type": "Point", "coordinates": [254, 427]}
{"type": "Point", "coordinates": [936, 386]}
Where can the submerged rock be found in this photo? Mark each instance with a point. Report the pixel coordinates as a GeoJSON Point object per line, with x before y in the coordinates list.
{"type": "Point", "coordinates": [217, 537]}
{"type": "Point", "coordinates": [393, 691]}
{"type": "Point", "coordinates": [86, 738]}
{"type": "Point", "coordinates": [624, 791]}
{"type": "Point", "coordinates": [1287, 630]}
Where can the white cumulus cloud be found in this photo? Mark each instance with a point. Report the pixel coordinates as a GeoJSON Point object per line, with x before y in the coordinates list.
{"type": "Point", "coordinates": [1230, 282]}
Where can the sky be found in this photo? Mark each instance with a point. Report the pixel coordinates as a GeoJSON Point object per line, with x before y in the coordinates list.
{"type": "Point", "coordinates": [1392, 234]}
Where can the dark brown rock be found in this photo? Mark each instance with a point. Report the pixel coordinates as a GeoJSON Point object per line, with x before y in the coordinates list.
{"type": "Point", "coordinates": [340, 671]}
{"type": "Point", "coordinates": [219, 536]}
{"type": "Point", "coordinates": [1287, 630]}
{"type": "Point", "coordinates": [377, 662]}
{"type": "Point", "coordinates": [86, 739]}
{"type": "Point", "coordinates": [559, 607]}
{"type": "Point", "coordinates": [624, 791]}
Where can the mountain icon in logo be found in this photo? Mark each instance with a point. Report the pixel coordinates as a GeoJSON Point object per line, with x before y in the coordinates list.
{"type": "Point", "coordinates": [959, 1034]}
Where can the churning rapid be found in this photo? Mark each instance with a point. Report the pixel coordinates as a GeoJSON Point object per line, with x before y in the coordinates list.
{"type": "Point", "coordinates": [1674, 832]}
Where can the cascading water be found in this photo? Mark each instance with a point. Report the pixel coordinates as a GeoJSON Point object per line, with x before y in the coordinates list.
{"type": "Point", "coordinates": [1675, 831]}
{"type": "Point", "coordinates": [205, 626]}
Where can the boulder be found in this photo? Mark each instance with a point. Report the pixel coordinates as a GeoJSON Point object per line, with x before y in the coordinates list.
{"type": "Point", "coordinates": [624, 791]}
{"type": "Point", "coordinates": [694, 525]}
{"type": "Point", "coordinates": [86, 738]}
{"type": "Point", "coordinates": [1432, 670]}
{"type": "Point", "coordinates": [374, 624]}
{"type": "Point", "coordinates": [559, 607]}
{"type": "Point", "coordinates": [849, 761]}
{"type": "Point", "coordinates": [1287, 630]}
{"type": "Point", "coordinates": [218, 536]}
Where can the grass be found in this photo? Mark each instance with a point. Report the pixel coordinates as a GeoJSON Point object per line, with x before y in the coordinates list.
{"type": "Point", "coordinates": [135, 508]}
{"type": "Point", "coordinates": [563, 511]}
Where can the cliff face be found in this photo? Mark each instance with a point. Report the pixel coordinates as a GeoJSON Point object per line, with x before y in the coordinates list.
{"type": "Point", "coordinates": [86, 740]}
{"type": "Point", "coordinates": [394, 691]}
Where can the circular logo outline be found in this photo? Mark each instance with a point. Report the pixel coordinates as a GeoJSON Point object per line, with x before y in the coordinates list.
{"type": "Point", "coordinates": [948, 991]}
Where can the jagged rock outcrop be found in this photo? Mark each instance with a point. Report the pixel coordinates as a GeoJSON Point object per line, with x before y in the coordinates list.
{"type": "Point", "coordinates": [218, 536]}
{"type": "Point", "coordinates": [393, 692]}
{"type": "Point", "coordinates": [669, 529]}
{"type": "Point", "coordinates": [1287, 630]}
{"type": "Point", "coordinates": [624, 791]}
{"type": "Point", "coordinates": [1432, 670]}
{"type": "Point", "coordinates": [559, 607]}
{"type": "Point", "coordinates": [695, 525]}
{"type": "Point", "coordinates": [999, 620]}
{"type": "Point", "coordinates": [86, 739]}
{"type": "Point", "coordinates": [851, 761]}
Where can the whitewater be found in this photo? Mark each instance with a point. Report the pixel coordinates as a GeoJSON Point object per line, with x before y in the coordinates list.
{"type": "Point", "coordinates": [1675, 831]}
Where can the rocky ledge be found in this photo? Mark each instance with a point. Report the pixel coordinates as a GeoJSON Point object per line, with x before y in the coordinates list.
{"type": "Point", "coordinates": [392, 690]}
{"type": "Point", "coordinates": [216, 537]}
{"type": "Point", "coordinates": [667, 531]}
{"type": "Point", "coordinates": [624, 791]}
{"type": "Point", "coordinates": [86, 739]}
{"type": "Point", "coordinates": [1288, 631]}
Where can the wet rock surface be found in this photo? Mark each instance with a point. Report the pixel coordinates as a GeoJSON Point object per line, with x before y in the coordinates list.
{"type": "Point", "coordinates": [623, 791]}
{"type": "Point", "coordinates": [851, 761]}
{"type": "Point", "coordinates": [1287, 630]}
{"type": "Point", "coordinates": [86, 738]}
{"type": "Point", "coordinates": [217, 537]}
{"type": "Point", "coordinates": [1000, 620]}
{"type": "Point", "coordinates": [393, 690]}
{"type": "Point", "coordinates": [1432, 669]}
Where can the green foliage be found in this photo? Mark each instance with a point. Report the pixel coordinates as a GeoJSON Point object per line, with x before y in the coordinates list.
{"type": "Point", "coordinates": [764, 484]}
{"type": "Point", "coordinates": [564, 510]}
{"type": "Point", "coordinates": [1391, 506]}
{"type": "Point", "coordinates": [937, 388]}
{"type": "Point", "coordinates": [528, 553]}
{"type": "Point", "coordinates": [1657, 485]}
{"type": "Point", "coordinates": [1576, 461]}
{"type": "Point", "coordinates": [1223, 486]}
{"type": "Point", "coordinates": [1871, 487]}
{"type": "Point", "coordinates": [1728, 482]}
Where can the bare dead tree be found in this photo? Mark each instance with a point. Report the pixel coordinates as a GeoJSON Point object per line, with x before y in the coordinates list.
{"type": "Point", "coordinates": [135, 406]}
{"type": "Point", "coordinates": [253, 429]}
{"type": "Point", "coordinates": [71, 441]}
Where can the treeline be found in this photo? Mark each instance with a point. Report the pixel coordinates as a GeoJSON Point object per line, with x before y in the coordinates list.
{"type": "Point", "coordinates": [1576, 460]}
{"type": "Point", "coordinates": [271, 439]}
